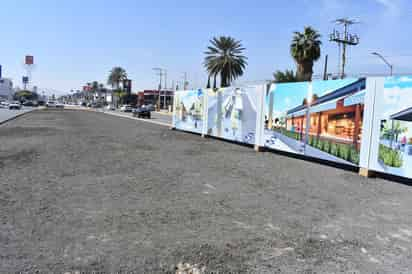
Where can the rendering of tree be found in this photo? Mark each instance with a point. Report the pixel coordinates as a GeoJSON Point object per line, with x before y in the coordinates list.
{"type": "Point", "coordinates": [305, 49]}
{"type": "Point", "coordinates": [285, 77]}
{"type": "Point", "coordinates": [225, 57]}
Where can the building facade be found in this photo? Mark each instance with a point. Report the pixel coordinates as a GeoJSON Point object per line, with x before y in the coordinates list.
{"type": "Point", "coordinates": [6, 88]}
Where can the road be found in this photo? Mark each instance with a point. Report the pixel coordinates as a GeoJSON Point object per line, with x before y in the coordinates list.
{"type": "Point", "coordinates": [84, 191]}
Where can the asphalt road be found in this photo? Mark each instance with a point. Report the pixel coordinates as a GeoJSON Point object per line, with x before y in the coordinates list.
{"type": "Point", "coordinates": [84, 191]}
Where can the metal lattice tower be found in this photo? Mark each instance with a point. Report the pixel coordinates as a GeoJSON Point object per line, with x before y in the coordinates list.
{"type": "Point", "coordinates": [343, 40]}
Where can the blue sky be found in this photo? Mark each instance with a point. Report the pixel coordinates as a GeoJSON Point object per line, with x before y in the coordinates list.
{"type": "Point", "coordinates": [79, 41]}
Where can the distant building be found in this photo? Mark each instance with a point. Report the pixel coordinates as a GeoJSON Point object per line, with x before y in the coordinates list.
{"type": "Point", "coordinates": [152, 97]}
{"type": "Point", "coordinates": [6, 88]}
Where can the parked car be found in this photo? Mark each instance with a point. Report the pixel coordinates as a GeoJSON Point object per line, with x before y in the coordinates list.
{"type": "Point", "coordinates": [142, 112]}
{"type": "Point", "coordinates": [126, 108]}
{"type": "Point", "coordinates": [15, 105]}
{"type": "Point", "coordinates": [110, 107]}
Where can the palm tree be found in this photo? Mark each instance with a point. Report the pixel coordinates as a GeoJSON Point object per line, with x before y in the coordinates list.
{"type": "Point", "coordinates": [116, 76]}
{"type": "Point", "coordinates": [305, 49]}
{"type": "Point", "coordinates": [224, 57]}
{"type": "Point", "coordinates": [285, 77]}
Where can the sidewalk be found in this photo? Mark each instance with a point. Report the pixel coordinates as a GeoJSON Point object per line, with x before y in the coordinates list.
{"type": "Point", "coordinates": [7, 115]}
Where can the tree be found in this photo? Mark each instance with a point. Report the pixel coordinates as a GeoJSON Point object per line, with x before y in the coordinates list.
{"type": "Point", "coordinates": [315, 97]}
{"type": "Point", "coordinates": [116, 76]}
{"type": "Point", "coordinates": [224, 57]}
{"type": "Point", "coordinates": [285, 77]}
{"type": "Point", "coordinates": [305, 49]}
{"type": "Point", "coordinates": [23, 95]}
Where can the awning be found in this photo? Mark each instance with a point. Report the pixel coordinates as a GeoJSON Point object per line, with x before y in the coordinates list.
{"type": "Point", "coordinates": [326, 106]}
{"type": "Point", "coordinates": [404, 115]}
{"type": "Point", "coordinates": [297, 113]}
{"type": "Point", "coordinates": [330, 105]}
{"type": "Point", "coordinates": [355, 99]}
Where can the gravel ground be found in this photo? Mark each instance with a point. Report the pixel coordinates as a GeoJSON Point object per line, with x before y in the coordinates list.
{"type": "Point", "coordinates": [82, 191]}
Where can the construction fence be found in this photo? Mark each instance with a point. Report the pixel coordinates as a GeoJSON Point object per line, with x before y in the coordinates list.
{"type": "Point", "coordinates": [362, 122]}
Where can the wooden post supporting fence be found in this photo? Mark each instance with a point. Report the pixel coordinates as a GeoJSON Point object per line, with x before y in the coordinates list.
{"type": "Point", "coordinates": [366, 172]}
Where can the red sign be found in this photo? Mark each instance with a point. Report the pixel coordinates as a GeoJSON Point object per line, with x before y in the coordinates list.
{"type": "Point", "coordinates": [29, 60]}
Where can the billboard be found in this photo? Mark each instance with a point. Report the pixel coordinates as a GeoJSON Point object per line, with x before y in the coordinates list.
{"type": "Point", "coordinates": [29, 60]}
{"type": "Point", "coordinates": [189, 110]}
{"type": "Point", "coordinates": [233, 112]}
{"type": "Point", "coordinates": [391, 126]}
{"type": "Point", "coordinates": [320, 119]}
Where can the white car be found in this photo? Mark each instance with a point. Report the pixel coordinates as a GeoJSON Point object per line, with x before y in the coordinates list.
{"type": "Point", "coordinates": [15, 105]}
{"type": "Point", "coordinates": [126, 108]}
{"type": "Point", "coordinates": [51, 104]}
{"type": "Point", "coordinates": [59, 105]}
{"type": "Point", "coordinates": [109, 107]}
{"type": "Point", "coordinates": [4, 104]}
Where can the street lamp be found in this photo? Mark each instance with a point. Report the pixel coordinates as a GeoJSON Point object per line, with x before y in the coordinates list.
{"type": "Point", "coordinates": [384, 60]}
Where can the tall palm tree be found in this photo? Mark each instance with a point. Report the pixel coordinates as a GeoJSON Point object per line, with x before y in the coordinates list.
{"type": "Point", "coordinates": [116, 76]}
{"type": "Point", "coordinates": [305, 49]}
{"type": "Point", "coordinates": [224, 57]}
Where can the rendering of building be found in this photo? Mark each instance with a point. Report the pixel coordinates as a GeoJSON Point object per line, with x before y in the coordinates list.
{"type": "Point", "coordinates": [337, 115]}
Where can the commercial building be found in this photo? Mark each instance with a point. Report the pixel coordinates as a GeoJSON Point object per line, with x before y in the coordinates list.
{"type": "Point", "coordinates": [6, 88]}
{"type": "Point", "coordinates": [164, 97]}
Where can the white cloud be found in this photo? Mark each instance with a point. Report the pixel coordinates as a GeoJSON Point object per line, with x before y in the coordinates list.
{"type": "Point", "coordinates": [392, 7]}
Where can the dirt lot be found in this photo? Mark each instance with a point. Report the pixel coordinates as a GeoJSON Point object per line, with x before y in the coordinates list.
{"type": "Point", "coordinates": [91, 192]}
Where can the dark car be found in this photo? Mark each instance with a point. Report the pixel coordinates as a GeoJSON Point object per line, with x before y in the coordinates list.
{"type": "Point", "coordinates": [142, 112]}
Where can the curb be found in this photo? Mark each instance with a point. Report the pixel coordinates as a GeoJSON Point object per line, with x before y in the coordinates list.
{"type": "Point", "coordinates": [122, 116]}
{"type": "Point", "coordinates": [137, 119]}
{"type": "Point", "coordinates": [17, 116]}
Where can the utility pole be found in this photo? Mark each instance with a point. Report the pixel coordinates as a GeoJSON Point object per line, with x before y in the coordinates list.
{"type": "Point", "coordinates": [185, 83]}
{"type": "Point", "coordinates": [325, 72]}
{"type": "Point", "coordinates": [165, 90]}
{"type": "Point", "coordinates": [344, 40]}
{"type": "Point", "coordinates": [384, 60]}
{"type": "Point", "coordinates": [160, 73]}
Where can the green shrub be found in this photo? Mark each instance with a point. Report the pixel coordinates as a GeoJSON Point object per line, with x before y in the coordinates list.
{"type": "Point", "coordinates": [354, 156]}
{"type": "Point", "coordinates": [326, 147]}
{"type": "Point", "coordinates": [334, 149]}
{"type": "Point", "coordinates": [390, 157]}
{"type": "Point", "coordinates": [320, 145]}
{"type": "Point", "coordinates": [344, 151]}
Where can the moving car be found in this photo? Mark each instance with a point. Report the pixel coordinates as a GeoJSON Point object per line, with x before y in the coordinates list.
{"type": "Point", "coordinates": [142, 112]}
{"type": "Point", "coordinates": [30, 104]}
{"type": "Point", "coordinates": [51, 104]}
{"type": "Point", "coordinates": [4, 104]}
{"type": "Point", "coordinates": [15, 105]}
{"type": "Point", "coordinates": [59, 105]}
{"type": "Point", "coordinates": [126, 108]}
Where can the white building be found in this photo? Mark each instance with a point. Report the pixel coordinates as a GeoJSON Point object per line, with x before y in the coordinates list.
{"type": "Point", "coordinates": [6, 88]}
